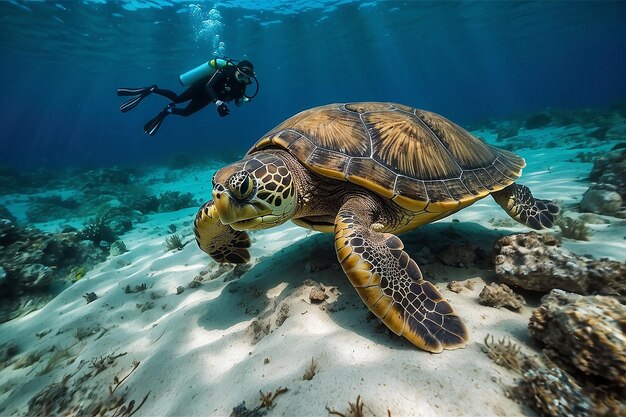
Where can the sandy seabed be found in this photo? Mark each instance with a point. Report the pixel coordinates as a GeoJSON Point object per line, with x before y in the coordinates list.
{"type": "Point", "coordinates": [205, 350]}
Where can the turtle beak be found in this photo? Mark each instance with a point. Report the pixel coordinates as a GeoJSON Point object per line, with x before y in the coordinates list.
{"type": "Point", "coordinates": [232, 211]}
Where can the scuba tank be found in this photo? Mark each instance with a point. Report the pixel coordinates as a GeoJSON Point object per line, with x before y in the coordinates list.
{"type": "Point", "coordinates": [203, 70]}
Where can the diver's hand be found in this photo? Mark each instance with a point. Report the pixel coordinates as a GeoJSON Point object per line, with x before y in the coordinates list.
{"type": "Point", "coordinates": [222, 108]}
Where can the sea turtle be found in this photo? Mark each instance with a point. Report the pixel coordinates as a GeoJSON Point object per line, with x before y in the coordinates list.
{"type": "Point", "coordinates": [366, 172]}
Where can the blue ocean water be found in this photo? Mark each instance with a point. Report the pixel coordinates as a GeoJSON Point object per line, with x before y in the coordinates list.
{"type": "Point", "coordinates": [102, 284]}
{"type": "Point", "coordinates": [62, 62]}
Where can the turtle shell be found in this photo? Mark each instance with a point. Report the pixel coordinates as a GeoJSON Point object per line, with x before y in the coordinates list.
{"type": "Point", "coordinates": [414, 157]}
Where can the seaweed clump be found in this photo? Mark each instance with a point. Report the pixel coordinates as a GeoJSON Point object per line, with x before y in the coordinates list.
{"type": "Point", "coordinates": [52, 400]}
{"type": "Point", "coordinates": [505, 353]}
{"type": "Point", "coordinates": [99, 232]}
{"type": "Point", "coordinates": [266, 402]}
{"type": "Point", "coordinates": [354, 410]}
{"type": "Point", "coordinates": [174, 242]}
{"type": "Point", "coordinates": [310, 371]}
{"type": "Point", "coordinates": [585, 157]}
{"type": "Point", "coordinates": [573, 229]}
{"type": "Point", "coordinates": [84, 395]}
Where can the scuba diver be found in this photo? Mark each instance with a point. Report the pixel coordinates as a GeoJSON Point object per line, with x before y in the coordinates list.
{"type": "Point", "coordinates": [218, 81]}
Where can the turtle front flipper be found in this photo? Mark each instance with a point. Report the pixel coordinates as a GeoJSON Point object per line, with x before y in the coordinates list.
{"type": "Point", "coordinates": [519, 203]}
{"type": "Point", "coordinates": [391, 284]}
{"type": "Point", "coordinates": [221, 242]}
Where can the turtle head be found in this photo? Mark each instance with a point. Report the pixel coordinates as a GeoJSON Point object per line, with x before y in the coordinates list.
{"type": "Point", "coordinates": [257, 192]}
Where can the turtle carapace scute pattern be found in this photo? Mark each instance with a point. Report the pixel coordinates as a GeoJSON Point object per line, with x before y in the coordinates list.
{"type": "Point", "coordinates": [367, 172]}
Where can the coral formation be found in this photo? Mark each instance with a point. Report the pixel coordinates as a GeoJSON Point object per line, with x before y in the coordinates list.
{"type": "Point", "coordinates": [174, 201]}
{"type": "Point", "coordinates": [500, 295]}
{"type": "Point", "coordinates": [553, 393]}
{"type": "Point", "coordinates": [317, 295]}
{"type": "Point", "coordinates": [587, 334]}
{"type": "Point", "coordinates": [32, 260]}
{"type": "Point", "coordinates": [550, 390]}
{"type": "Point", "coordinates": [536, 262]}
{"type": "Point", "coordinates": [455, 286]}
{"type": "Point", "coordinates": [143, 203]}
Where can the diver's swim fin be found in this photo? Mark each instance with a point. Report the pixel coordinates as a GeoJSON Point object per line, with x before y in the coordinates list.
{"type": "Point", "coordinates": [122, 92]}
{"type": "Point", "coordinates": [153, 125]}
{"type": "Point", "coordinates": [138, 93]}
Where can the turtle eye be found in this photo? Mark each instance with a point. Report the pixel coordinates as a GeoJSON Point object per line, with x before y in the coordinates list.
{"type": "Point", "coordinates": [241, 184]}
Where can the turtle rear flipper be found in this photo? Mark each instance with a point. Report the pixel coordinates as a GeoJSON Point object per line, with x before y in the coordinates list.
{"type": "Point", "coordinates": [391, 284]}
{"type": "Point", "coordinates": [519, 203]}
{"type": "Point", "coordinates": [221, 242]}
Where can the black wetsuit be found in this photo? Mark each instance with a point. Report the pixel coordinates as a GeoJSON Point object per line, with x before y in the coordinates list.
{"type": "Point", "coordinates": [220, 86]}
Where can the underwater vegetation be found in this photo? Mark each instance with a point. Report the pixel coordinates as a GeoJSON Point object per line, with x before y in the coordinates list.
{"type": "Point", "coordinates": [573, 228]}
{"type": "Point", "coordinates": [310, 370]}
{"type": "Point", "coordinates": [174, 242]}
{"type": "Point", "coordinates": [354, 409]}
{"type": "Point", "coordinates": [99, 232]}
{"type": "Point", "coordinates": [505, 353]}
{"type": "Point", "coordinates": [266, 402]}
{"type": "Point", "coordinates": [70, 393]}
